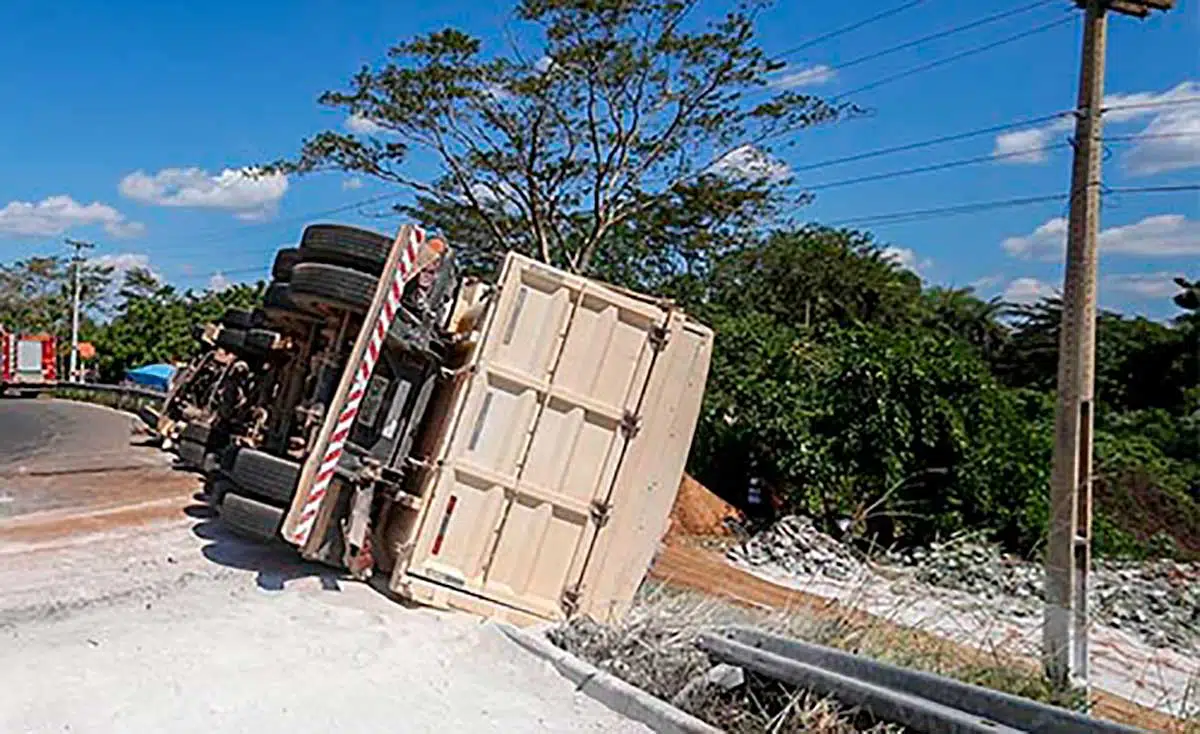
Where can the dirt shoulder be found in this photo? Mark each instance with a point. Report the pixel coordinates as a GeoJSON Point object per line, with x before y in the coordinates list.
{"type": "Point", "coordinates": [684, 562]}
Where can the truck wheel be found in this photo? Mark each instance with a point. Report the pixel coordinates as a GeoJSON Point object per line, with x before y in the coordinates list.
{"type": "Point", "coordinates": [319, 286]}
{"type": "Point", "coordinates": [250, 518]}
{"type": "Point", "coordinates": [195, 432]}
{"type": "Point", "coordinates": [232, 340]}
{"type": "Point", "coordinates": [217, 488]}
{"type": "Point", "coordinates": [266, 476]}
{"type": "Point", "coordinates": [237, 318]}
{"type": "Point", "coordinates": [352, 247]}
{"type": "Point", "coordinates": [260, 341]}
{"type": "Point", "coordinates": [191, 454]}
{"type": "Point", "coordinates": [285, 260]}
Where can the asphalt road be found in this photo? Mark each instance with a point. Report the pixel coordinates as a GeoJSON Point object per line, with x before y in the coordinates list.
{"type": "Point", "coordinates": [59, 455]}
{"type": "Point", "coordinates": [41, 431]}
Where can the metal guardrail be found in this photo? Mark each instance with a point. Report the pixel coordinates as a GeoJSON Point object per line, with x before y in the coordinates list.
{"type": "Point", "coordinates": [119, 390]}
{"type": "Point", "coordinates": [923, 701]}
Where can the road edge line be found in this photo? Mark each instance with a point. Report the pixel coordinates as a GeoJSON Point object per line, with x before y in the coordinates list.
{"type": "Point", "coordinates": [623, 698]}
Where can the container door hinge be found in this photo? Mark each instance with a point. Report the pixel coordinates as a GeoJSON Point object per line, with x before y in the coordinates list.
{"type": "Point", "coordinates": [659, 336]}
{"type": "Point", "coordinates": [601, 511]}
{"type": "Point", "coordinates": [570, 599]}
{"type": "Point", "coordinates": [630, 424]}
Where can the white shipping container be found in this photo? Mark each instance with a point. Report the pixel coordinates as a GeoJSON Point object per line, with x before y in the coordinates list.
{"type": "Point", "coordinates": [561, 453]}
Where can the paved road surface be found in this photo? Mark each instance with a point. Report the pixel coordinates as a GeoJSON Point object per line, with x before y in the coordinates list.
{"type": "Point", "coordinates": [39, 431]}
{"type": "Point", "coordinates": [127, 607]}
{"type": "Point", "coordinates": [56, 455]}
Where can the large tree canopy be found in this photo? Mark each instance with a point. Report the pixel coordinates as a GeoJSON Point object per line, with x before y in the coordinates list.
{"type": "Point", "coordinates": [628, 109]}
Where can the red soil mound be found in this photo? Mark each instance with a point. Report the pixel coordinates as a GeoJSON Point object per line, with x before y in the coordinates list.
{"type": "Point", "coordinates": [698, 511]}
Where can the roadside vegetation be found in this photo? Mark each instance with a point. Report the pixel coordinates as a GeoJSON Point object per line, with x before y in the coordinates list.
{"type": "Point", "coordinates": [654, 649]}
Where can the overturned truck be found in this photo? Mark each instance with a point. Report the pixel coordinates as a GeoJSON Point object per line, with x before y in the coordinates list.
{"type": "Point", "coordinates": [512, 448]}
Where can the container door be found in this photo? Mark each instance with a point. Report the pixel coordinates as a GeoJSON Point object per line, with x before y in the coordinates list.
{"type": "Point", "coordinates": [539, 439]}
{"type": "Point", "coordinates": [29, 360]}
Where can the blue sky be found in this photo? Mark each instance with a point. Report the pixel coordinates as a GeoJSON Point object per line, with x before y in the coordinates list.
{"type": "Point", "coordinates": [122, 117]}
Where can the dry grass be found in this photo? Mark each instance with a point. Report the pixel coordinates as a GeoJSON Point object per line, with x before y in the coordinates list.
{"type": "Point", "coordinates": [654, 649]}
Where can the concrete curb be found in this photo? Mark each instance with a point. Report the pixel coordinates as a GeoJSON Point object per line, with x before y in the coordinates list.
{"type": "Point", "coordinates": [625, 699]}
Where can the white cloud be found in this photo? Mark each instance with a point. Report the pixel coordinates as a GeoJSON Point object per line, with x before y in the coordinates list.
{"type": "Point", "coordinates": [218, 282]}
{"type": "Point", "coordinates": [1024, 146]}
{"type": "Point", "coordinates": [1161, 235]}
{"type": "Point", "coordinates": [986, 282]}
{"type": "Point", "coordinates": [356, 123]}
{"type": "Point", "coordinates": [1027, 290]}
{"type": "Point", "coordinates": [122, 263]}
{"type": "Point", "coordinates": [1046, 242]}
{"type": "Point", "coordinates": [906, 258]}
{"type": "Point", "coordinates": [811, 76]}
{"type": "Point", "coordinates": [1149, 155]}
{"type": "Point", "coordinates": [748, 162]}
{"type": "Point", "coordinates": [248, 196]}
{"type": "Point", "coordinates": [352, 183]}
{"type": "Point", "coordinates": [1141, 286]}
{"type": "Point", "coordinates": [543, 64]}
{"type": "Point", "coordinates": [1171, 143]}
{"type": "Point", "coordinates": [55, 215]}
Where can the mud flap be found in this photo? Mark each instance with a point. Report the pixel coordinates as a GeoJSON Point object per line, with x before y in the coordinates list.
{"type": "Point", "coordinates": [357, 533]}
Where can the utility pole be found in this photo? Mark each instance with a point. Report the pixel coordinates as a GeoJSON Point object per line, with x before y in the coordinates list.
{"type": "Point", "coordinates": [76, 266]}
{"type": "Point", "coordinates": [1068, 553]}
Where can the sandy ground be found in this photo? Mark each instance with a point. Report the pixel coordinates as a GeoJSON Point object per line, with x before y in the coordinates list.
{"type": "Point", "coordinates": [178, 627]}
{"type": "Point", "coordinates": [124, 607]}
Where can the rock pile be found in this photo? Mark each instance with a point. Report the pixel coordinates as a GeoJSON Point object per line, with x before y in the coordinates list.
{"type": "Point", "coordinates": [1156, 601]}
{"type": "Point", "coordinates": [793, 546]}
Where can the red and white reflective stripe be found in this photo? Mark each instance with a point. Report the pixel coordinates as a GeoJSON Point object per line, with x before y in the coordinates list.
{"type": "Point", "coordinates": [405, 270]}
{"type": "Point", "coordinates": [437, 542]}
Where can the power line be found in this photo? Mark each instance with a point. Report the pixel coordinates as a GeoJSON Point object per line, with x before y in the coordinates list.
{"type": "Point", "coordinates": [1154, 189]}
{"type": "Point", "coordinates": [958, 56]}
{"type": "Point", "coordinates": [934, 167]}
{"type": "Point", "coordinates": [849, 28]}
{"type": "Point", "coordinates": [941, 34]}
{"type": "Point", "coordinates": [953, 137]}
{"type": "Point", "coordinates": [914, 215]}
{"type": "Point", "coordinates": [1150, 105]}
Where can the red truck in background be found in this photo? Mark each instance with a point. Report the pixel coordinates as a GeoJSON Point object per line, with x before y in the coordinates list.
{"type": "Point", "coordinates": [27, 361]}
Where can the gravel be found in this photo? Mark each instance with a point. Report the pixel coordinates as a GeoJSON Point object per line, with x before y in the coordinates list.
{"type": "Point", "coordinates": [1158, 602]}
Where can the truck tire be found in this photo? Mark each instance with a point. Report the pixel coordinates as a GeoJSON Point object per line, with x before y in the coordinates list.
{"type": "Point", "coordinates": [195, 432]}
{"type": "Point", "coordinates": [191, 454]}
{"type": "Point", "coordinates": [266, 476]}
{"type": "Point", "coordinates": [231, 340]}
{"type": "Point", "coordinates": [285, 260]}
{"type": "Point", "coordinates": [237, 318]}
{"type": "Point", "coordinates": [217, 487]}
{"type": "Point", "coordinates": [352, 247]}
{"type": "Point", "coordinates": [249, 517]}
{"type": "Point", "coordinates": [260, 341]}
{"type": "Point", "coordinates": [319, 286]}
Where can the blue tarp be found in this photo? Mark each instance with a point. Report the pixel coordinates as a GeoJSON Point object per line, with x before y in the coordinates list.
{"type": "Point", "coordinates": [157, 376]}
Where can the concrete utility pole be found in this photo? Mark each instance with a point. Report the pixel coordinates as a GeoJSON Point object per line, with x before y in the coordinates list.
{"type": "Point", "coordinates": [76, 265]}
{"type": "Point", "coordinates": [1068, 554]}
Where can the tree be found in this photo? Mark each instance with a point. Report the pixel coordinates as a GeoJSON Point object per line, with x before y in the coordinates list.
{"type": "Point", "coordinates": [572, 153]}
{"type": "Point", "coordinates": [36, 293]}
{"type": "Point", "coordinates": [817, 277]}
{"type": "Point", "coordinates": [153, 322]}
{"type": "Point", "coordinates": [959, 311]}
